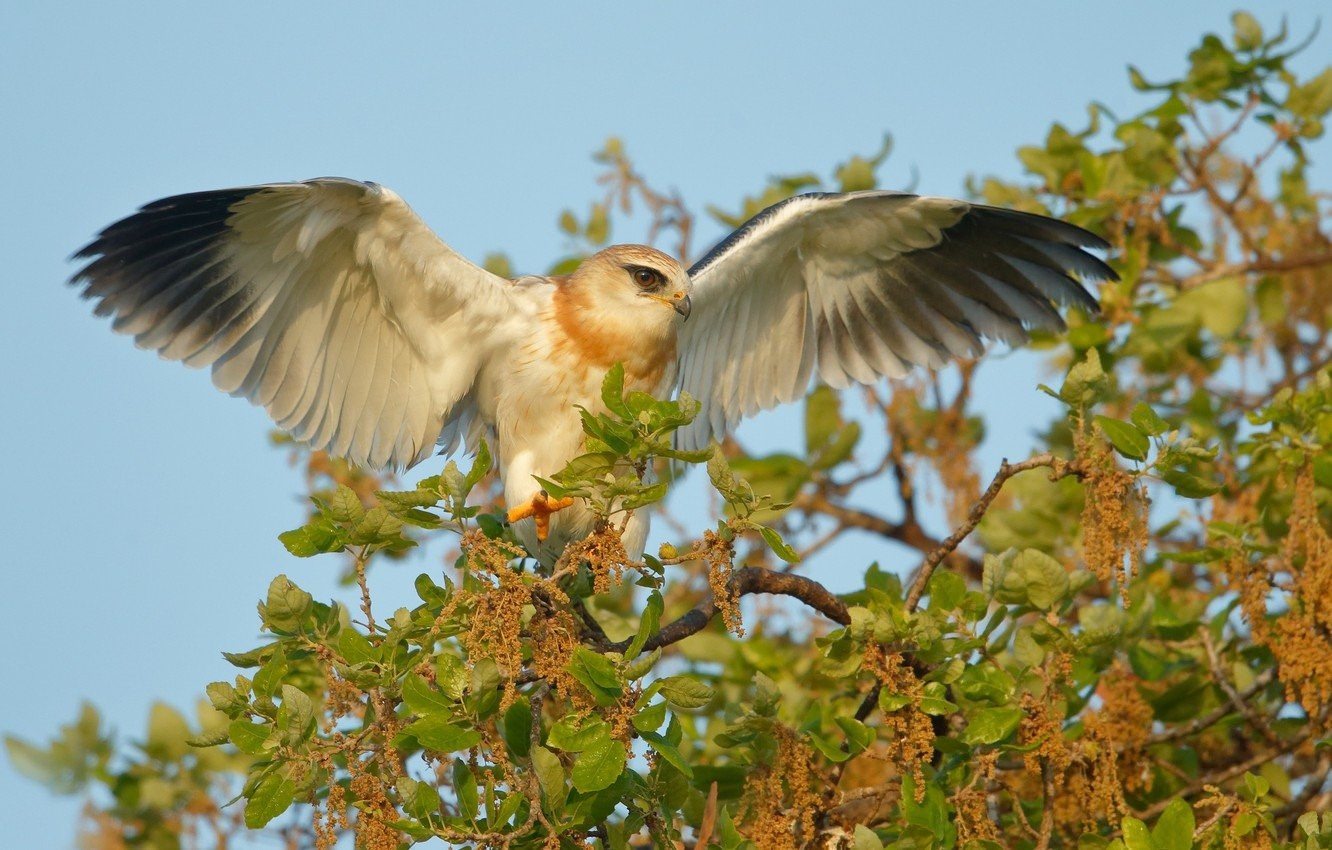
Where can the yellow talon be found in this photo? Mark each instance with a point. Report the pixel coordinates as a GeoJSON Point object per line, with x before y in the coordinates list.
{"type": "Point", "coordinates": [540, 506]}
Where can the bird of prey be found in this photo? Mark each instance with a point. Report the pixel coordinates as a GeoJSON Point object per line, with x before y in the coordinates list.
{"type": "Point", "coordinates": [331, 304]}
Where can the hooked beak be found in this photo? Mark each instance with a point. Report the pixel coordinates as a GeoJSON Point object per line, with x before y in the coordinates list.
{"type": "Point", "coordinates": [682, 306]}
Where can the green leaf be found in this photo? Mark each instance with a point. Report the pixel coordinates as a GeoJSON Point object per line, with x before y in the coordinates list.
{"type": "Point", "coordinates": [669, 752]}
{"type": "Point", "coordinates": [597, 673]}
{"type": "Point", "coordinates": [650, 718]}
{"type": "Point", "coordinates": [597, 230]}
{"type": "Point", "coordinates": [354, 647]}
{"type": "Point", "coordinates": [248, 737]}
{"type": "Point", "coordinates": [465, 790]}
{"type": "Point", "coordinates": [1044, 579]}
{"type": "Point", "coordinates": [271, 797]}
{"type": "Point", "coordinates": [287, 605]}
{"type": "Point", "coordinates": [1136, 836]}
{"type": "Point", "coordinates": [823, 418]}
{"type": "Point", "coordinates": [268, 680]}
{"type": "Point", "coordinates": [1257, 786]}
{"type": "Point", "coordinates": [1189, 484]}
{"type": "Point", "coordinates": [378, 526]}
{"type": "Point", "coordinates": [648, 625]}
{"type": "Point", "coordinates": [865, 839]}
{"type": "Point", "coordinates": [439, 735]}
{"type": "Point", "coordinates": [685, 692]}
{"type": "Point", "coordinates": [549, 772]}
{"type": "Point", "coordinates": [599, 765]}
{"type": "Point", "coordinates": [316, 537]}
{"type": "Point", "coordinates": [937, 706]}
{"type": "Point", "coordinates": [612, 392]}
{"type": "Point", "coordinates": [299, 712]}
{"type": "Point", "coordinates": [1086, 382]}
{"type": "Point", "coordinates": [480, 466]}
{"type": "Point", "coordinates": [167, 731]}
{"type": "Point", "coordinates": [344, 505]}
{"type": "Point", "coordinates": [1248, 32]}
{"type": "Point", "coordinates": [858, 735]}
{"type": "Point", "coordinates": [1313, 99]}
{"type": "Point", "coordinates": [224, 698]}
{"type": "Point", "coordinates": [573, 735]}
{"type": "Point", "coordinates": [215, 738]}
{"type": "Point", "coordinates": [423, 699]}
{"type": "Point", "coordinates": [1127, 439]}
{"type": "Point", "coordinates": [1174, 829]}
{"type": "Point", "coordinates": [991, 725]}
{"type": "Point", "coordinates": [1148, 421]}
{"type": "Point", "coordinates": [641, 666]}
{"type": "Point", "coordinates": [419, 799]}
{"type": "Point", "coordinates": [451, 675]}
{"type": "Point", "coordinates": [483, 687]}
{"type": "Point", "coordinates": [518, 727]}
{"type": "Point", "coordinates": [947, 590]}
{"type": "Point", "coordinates": [779, 546]}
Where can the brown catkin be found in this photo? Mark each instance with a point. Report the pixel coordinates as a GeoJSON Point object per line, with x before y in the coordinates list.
{"type": "Point", "coordinates": [971, 802]}
{"type": "Point", "coordinates": [1113, 749]}
{"type": "Point", "coordinates": [1114, 513]}
{"type": "Point", "coordinates": [1300, 637]}
{"type": "Point", "coordinates": [497, 612]}
{"type": "Point", "coordinates": [719, 555]}
{"type": "Point", "coordinates": [781, 799]}
{"type": "Point", "coordinates": [910, 734]}
{"type": "Point", "coordinates": [604, 553]}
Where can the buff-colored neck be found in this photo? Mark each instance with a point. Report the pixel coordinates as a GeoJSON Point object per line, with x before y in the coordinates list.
{"type": "Point", "coordinates": [600, 338]}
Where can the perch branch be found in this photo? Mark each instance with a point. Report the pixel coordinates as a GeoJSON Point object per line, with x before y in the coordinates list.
{"type": "Point", "coordinates": [745, 581]}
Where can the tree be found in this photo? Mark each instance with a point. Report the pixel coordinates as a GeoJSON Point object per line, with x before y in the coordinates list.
{"type": "Point", "coordinates": [1125, 639]}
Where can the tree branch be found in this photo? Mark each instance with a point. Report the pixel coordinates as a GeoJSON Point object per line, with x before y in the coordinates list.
{"type": "Point", "coordinates": [745, 581]}
{"type": "Point", "coordinates": [907, 532]}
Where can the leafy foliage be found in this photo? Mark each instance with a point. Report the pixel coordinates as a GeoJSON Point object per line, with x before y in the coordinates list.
{"type": "Point", "coordinates": [1124, 641]}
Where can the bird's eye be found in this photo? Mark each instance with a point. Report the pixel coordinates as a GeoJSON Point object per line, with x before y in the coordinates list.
{"type": "Point", "coordinates": [646, 278]}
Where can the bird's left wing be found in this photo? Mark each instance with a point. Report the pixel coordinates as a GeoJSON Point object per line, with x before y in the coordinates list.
{"type": "Point", "coordinates": [328, 302]}
{"type": "Point", "coordinates": [856, 286]}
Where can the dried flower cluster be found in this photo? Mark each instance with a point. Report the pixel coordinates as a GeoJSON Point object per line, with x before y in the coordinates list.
{"type": "Point", "coordinates": [1114, 513]}
{"type": "Point", "coordinates": [1302, 639]}
{"type": "Point", "coordinates": [909, 734]}
{"type": "Point", "coordinates": [719, 556]}
{"type": "Point", "coordinates": [781, 798]}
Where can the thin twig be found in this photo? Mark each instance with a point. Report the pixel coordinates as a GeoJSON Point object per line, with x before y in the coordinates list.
{"type": "Point", "coordinates": [1198, 724]}
{"type": "Point", "coordinates": [359, 561]}
{"type": "Point", "coordinates": [1006, 471]}
{"type": "Point", "coordinates": [1223, 681]}
{"type": "Point", "coordinates": [1047, 809]}
{"type": "Point", "coordinates": [1229, 773]}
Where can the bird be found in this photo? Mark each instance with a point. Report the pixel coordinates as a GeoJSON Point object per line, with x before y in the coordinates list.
{"type": "Point", "coordinates": [331, 304]}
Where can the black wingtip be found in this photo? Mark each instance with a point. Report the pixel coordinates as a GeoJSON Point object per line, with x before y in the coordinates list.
{"type": "Point", "coordinates": [152, 252]}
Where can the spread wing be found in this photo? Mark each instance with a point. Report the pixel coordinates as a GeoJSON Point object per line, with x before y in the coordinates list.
{"type": "Point", "coordinates": [851, 287]}
{"type": "Point", "coordinates": [329, 303]}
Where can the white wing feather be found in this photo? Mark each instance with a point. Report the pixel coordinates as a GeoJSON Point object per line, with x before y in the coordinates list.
{"type": "Point", "coordinates": [329, 303]}
{"type": "Point", "coordinates": [856, 286]}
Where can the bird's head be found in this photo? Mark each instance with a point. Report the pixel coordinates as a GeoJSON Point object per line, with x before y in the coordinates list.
{"type": "Point", "coordinates": [637, 281]}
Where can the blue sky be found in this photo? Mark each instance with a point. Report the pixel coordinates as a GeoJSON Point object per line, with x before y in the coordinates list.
{"type": "Point", "coordinates": [143, 506]}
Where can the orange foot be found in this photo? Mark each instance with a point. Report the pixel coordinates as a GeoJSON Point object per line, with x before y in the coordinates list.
{"type": "Point", "coordinates": [540, 506]}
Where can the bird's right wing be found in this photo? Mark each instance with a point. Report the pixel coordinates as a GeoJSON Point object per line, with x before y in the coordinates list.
{"type": "Point", "coordinates": [328, 302]}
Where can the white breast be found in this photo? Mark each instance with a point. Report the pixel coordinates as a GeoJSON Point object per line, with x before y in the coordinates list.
{"type": "Point", "coordinates": [537, 431]}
